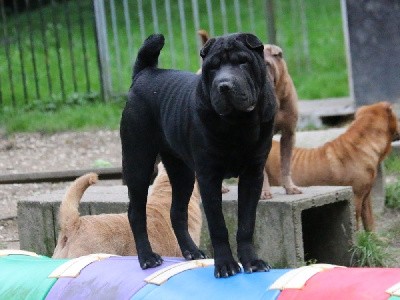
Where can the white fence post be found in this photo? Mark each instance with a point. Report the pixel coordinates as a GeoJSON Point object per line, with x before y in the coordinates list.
{"type": "Point", "coordinates": [102, 45]}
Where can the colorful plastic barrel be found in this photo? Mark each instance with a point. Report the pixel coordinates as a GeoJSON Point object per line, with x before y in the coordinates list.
{"type": "Point", "coordinates": [99, 276]}
{"type": "Point", "coordinates": [112, 278]}
{"type": "Point", "coordinates": [26, 276]}
{"type": "Point", "coordinates": [200, 284]}
{"type": "Point", "coordinates": [346, 283]}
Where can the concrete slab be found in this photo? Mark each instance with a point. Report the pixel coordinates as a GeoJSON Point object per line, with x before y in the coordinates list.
{"type": "Point", "coordinates": [312, 113]}
{"type": "Point", "coordinates": [318, 224]}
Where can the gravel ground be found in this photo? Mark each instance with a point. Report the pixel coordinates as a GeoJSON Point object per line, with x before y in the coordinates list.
{"type": "Point", "coordinates": [37, 152]}
{"type": "Point", "coordinates": [26, 153]}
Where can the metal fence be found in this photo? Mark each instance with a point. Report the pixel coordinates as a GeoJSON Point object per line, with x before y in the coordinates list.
{"type": "Point", "coordinates": [48, 52]}
{"type": "Point", "coordinates": [123, 25]}
{"type": "Point", "coordinates": [58, 51]}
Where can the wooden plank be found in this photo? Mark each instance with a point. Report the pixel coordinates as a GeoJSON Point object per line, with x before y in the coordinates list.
{"type": "Point", "coordinates": [60, 176]}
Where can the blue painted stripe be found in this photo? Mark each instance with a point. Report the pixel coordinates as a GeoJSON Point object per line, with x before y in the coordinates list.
{"type": "Point", "coordinates": [200, 284]}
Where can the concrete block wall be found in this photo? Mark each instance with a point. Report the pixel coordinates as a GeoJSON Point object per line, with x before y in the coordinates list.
{"type": "Point", "coordinates": [289, 229]}
{"type": "Point", "coordinates": [292, 229]}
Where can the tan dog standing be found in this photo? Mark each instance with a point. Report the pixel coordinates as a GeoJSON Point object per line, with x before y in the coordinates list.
{"type": "Point", "coordinates": [111, 233]}
{"type": "Point", "coordinates": [286, 117]}
{"type": "Point", "coordinates": [352, 159]}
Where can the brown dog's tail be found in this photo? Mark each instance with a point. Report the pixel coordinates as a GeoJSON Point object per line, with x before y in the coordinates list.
{"type": "Point", "coordinates": [69, 213]}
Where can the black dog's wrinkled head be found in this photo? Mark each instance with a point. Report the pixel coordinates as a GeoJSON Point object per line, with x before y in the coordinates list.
{"type": "Point", "coordinates": [234, 75]}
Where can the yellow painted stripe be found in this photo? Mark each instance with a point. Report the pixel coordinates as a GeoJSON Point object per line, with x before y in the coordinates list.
{"type": "Point", "coordinates": [394, 290]}
{"type": "Point", "coordinates": [297, 278]}
{"type": "Point", "coordinates": [163, 275]}
{"type": "Point", "coordinates": [17, 252]}
{"type": "Point", "coordinates": [73, 267]}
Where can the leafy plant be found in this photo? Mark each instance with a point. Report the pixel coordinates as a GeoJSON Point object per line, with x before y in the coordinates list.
{"type": "Point", "coordinates": [370, 251]}
{"type": "Point", "coordinates": [392, 198]}
{"type": "Point", "coordinates": [392, 163]}
{"type": "Point", "coordinates": [101, 163]}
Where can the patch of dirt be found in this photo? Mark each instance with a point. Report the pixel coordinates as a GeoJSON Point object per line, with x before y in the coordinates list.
{"type": "Point", "coordinates": [27, 153]}
{"type": "Point", "coordinates": [388, 228]}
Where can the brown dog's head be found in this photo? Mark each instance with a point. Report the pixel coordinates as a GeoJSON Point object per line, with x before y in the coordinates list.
{"type": "Point", "coordinates": [276, 66]}
{"type": "Point", "coordinates": [381, 120]}
{"type": "Point", "coordinates": [382, 114]}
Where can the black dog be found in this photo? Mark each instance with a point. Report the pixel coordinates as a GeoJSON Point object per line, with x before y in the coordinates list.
{"type": "Point", "coordinates": [215, 125]}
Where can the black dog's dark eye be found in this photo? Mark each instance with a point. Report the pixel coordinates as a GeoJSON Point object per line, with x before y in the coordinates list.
{"type": "Point", "coordinates": [242, 60]}
{"type": "Point", "coordinates": [214, 63]}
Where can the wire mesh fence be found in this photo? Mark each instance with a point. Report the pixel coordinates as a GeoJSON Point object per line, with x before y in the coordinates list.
{"type": "Point", "coordinates": [59, 51]}
{"type": "Point", "coordinates": [178, 20]}
{"type": "Point", "coordinates": [47, 51]}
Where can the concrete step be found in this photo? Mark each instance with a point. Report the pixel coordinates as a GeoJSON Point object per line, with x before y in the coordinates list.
{"type": "Point", "coordinates": [315, 114]}
{"type": "Point", "coordinates": [290, 229]}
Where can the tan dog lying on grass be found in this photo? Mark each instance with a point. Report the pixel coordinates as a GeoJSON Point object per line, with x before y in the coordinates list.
{"type": "Point", "coordinates": [111, 233]}
{"type": "Point", "coordinates": [351, 159]}
{"type": "Point", "coordinates": [286, 117]}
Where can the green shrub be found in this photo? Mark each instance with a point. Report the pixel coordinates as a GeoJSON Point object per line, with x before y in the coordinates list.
{"type": "Point", "coordinates": [369, 251]}
{"type": "Point", "coordinates": [392, 164]}
{"type": "Point", "coordinates": [392, 198]}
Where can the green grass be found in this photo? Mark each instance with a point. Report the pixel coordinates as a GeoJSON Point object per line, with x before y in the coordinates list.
{"type": "Point", "coordinates": [19, 24]}
{"type": "Point", "coordinates": [392, 164]}
{"type": "Point", "coordinates": [369, 251]}
{"type": "Point", "coordinates": [392, 197]}
{"type": "Point", "coordinates": [324, 76]}
{"type": "Point", "coordinates": [392, 189]}
{"type": "Point", "coordinates": [67, 117]}
{"type": "Point", "coordinates": [393, 233]}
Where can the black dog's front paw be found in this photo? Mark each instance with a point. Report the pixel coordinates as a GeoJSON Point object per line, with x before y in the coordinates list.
{"type": "Point", "coordinates": [249, 260]}
{"type": "Point", "coordinates": [150, 260]}
{"type": "Point", "coordinates": [255, 265]}
{"type": "Point", "coordinates": [194, 254]}
{"type": "Point", "coordinates": [226, 268]}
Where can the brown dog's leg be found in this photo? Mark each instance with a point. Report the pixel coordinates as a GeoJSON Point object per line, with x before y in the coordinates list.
{"type": "Point", "coordinates": [286, 146]}
{"type": "Point", "coordinates": [266, 188]}
{"type": "Point", "coordinates": [367, 216]}
{"type": "Point", "coordinates": [363, 207]}
{"type": "Point", "coordinates": [358, 207]}
{"type": "Point", "coordinates": [224, 188]}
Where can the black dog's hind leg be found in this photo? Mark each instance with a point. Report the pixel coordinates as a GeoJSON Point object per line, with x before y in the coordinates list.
{"type": "Point", "coordinates": [182, 181]}
{"type": "Point", "coordinates": [250, 185]}
{"type": "Point", "coordinates": [139, 153]}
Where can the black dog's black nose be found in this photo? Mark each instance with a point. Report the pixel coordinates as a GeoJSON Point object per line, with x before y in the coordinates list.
{"type": "Point", "coordinates": [225, 87]}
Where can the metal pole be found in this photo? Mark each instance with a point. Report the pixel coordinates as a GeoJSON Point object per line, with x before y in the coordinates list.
{"type": "Point", "coordinates": [102, 48]}
{"type": "Point", "coordinates": [270, 16]}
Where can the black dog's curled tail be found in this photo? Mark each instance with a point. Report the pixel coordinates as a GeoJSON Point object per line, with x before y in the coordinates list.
{"type": "Point", "coordinates": [148, 54]}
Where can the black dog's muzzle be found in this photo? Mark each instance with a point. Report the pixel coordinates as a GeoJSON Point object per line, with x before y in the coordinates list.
{"type": "Point", "coordinates": [225, 87]}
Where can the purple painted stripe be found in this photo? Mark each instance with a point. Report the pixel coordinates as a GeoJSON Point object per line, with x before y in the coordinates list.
{"type": "Point", "coordinates": [113, 278]}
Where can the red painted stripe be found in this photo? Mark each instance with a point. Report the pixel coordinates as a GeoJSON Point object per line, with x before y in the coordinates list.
{"type": "Point", "coordinates": [346, 283]}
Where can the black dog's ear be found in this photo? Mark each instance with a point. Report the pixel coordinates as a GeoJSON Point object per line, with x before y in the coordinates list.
{"type": "Point", "coordinates": [206, 47]}
{"type": "Point", "coordinates": [254, 43]}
